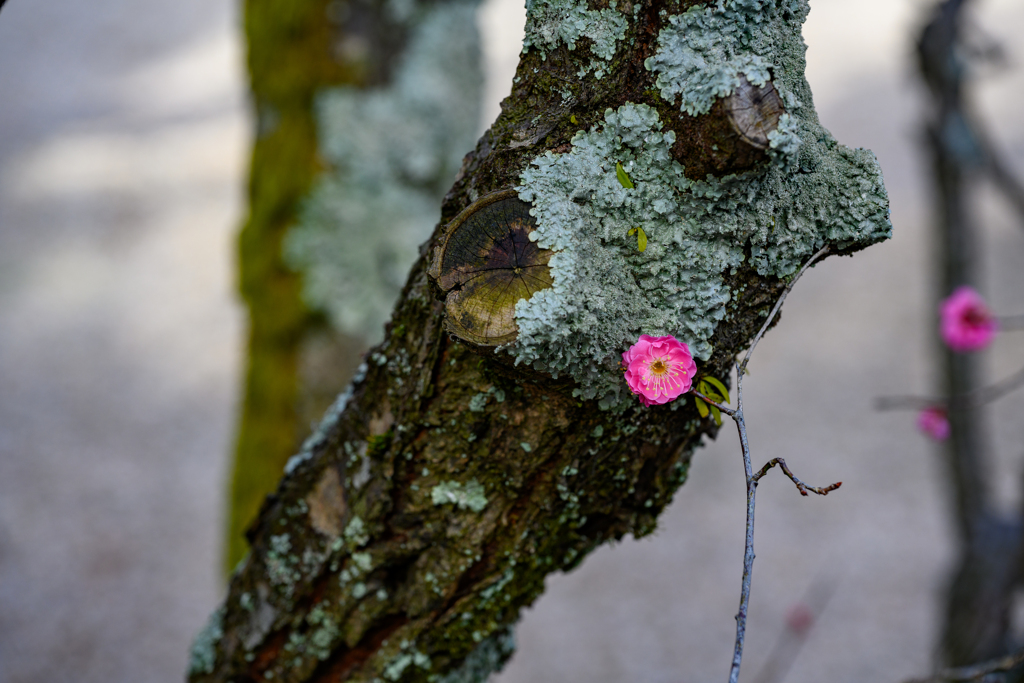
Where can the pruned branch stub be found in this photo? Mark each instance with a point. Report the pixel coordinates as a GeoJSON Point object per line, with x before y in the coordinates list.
{"type": "Point", "coordinates": [485, 263]}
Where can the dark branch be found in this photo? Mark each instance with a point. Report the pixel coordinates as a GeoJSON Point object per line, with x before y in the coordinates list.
{"type": "Point", "coordinates": [975, 672]}
{"type": "Point", "coordinates": [800, 486]}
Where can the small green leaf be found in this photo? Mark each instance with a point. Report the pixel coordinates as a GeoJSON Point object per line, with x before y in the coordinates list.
{"type": "Point", "coordinates": [620, 173]}
{"type": "Point", "coordinates": [717, 415]}
{"type": "Point", "coordinates": [632, 231]}
{"type": "Point", "coordinates": [573, 120]}
{"type": "Point", "coordinates": [702, 407]}
{"type": "Point", "coordinates": [641, 239]}
{"type": "Point", "coordinates": [721, 388]}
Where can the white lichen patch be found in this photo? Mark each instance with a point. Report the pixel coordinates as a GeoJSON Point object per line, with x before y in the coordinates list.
{"type": "Point", "coordinates": [326, 424]}
{"type": "Point", "coordinates": [703, 52]}
{"type": "Point", "coordinates": [479, 401]}
{"type": "Point", "coordinates": [397, 666]}
{"type": "Point", "coordinates": [282, 564]}
{"type": "Point", "coordinates": [606, 292]}
{"type": "Point", "coordinates": [468, 496]}
{"type": "Point", "coordinates": [356, 534]}
{"type": "Point", "coordinates": [319, 640]}
{"type": "Point", "coordinates": [204, 653]}
{"type": "Point", "coordinates": [553, 22]}
{"type": "Point", "coordinates": [394, 152]}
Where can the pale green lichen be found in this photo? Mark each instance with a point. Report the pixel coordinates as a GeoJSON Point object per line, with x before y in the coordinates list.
{"type": "Point", "coordinates": [282, 565]}
{"type": "Point", "coordinates": [393, 153]}
{"type": "Point", "coordinates": [784, 143]}
{"type": "Point", "coordinates": [203, 655]}
{"type": "Point", "coordinates": [355, 533]}
{"type": "Point", "coordinates": [363, 561]}
{"type": "Point", "coordinates": [703, 52]}
{"type": "Point", "coordinates": [323, 634]}
{"type": "Point", "coordinates": [468, 496]}
{"type": "Point", "coordinates": [393, 671]}
{"type": "Point", "coordinates": [606, 293]}
{"type": "Point", "coordinates": [551, 22]}
{"type": "Point", "coordinates": [479, 401]}
{"type": "Point", "coordinates": [488, 657]}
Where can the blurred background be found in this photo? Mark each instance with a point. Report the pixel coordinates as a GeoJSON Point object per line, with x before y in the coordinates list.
{"type": "Point", "coordinates": [124, 141]}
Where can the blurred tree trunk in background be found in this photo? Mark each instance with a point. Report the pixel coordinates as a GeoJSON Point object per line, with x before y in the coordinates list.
{"type": "Point", "coordinates": [337, 209]}
{"type": "Point", "coordinates": [980, 596]}
{"type": "Point", "coordinates": [676, 175]}
{"type": "Point", "coordinates": [290, 60]}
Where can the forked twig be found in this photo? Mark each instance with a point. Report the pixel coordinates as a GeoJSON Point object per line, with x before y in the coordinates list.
{"type": "Point", "coordinates": [800, 486]}
{"type": "Point", "coordinates": [752, 479]}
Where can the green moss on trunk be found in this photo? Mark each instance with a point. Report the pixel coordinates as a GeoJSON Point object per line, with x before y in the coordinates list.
{"type": "Point", "coordinates": [289, 61]}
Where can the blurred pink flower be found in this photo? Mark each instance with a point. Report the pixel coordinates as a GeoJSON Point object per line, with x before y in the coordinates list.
{"type": "Point", "coordinates": [934, 421]}
{"type": "Point", "coordinates": [658, 369]}
{"type": "Point", "coordinates": [799, 619]}
{"type": "Point", "coordinates": [966, 322]}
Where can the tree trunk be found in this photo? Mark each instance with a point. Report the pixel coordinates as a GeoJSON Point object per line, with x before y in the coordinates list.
{"type": "Point", "coordinates": [490, 439]}
{"type": "Point", "coordinates": [289, 61]}
{"type": "Point", "coordinates": [980, 595]}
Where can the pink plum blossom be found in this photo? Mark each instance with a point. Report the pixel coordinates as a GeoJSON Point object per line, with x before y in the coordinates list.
{"type": "Point", "coordinates": [659, 369]}
{"type": "Point", "coordinates": [966, 322]}
{"type": "Point", "coordinates": [799, 619]}
{"type": "Point", "coordinates": [934, 421]}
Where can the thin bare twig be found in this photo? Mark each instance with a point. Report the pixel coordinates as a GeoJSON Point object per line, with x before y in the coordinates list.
{"type": "Point", "coordinates": [975, 672]}
{"type": "Point", "coordinates": [778, 304]}
{"type": "Point", "coordinates": [972, 399]}
{"type": "Point", "coordinates": [724, 408]}
{"type": "Point", "coordinates": [800, 486]}
{"type": "Point", "coordinates": [752, 479]}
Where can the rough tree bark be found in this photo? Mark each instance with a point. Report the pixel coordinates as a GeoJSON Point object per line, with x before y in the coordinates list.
{"type": "Point", "coordinates": [469, 459]}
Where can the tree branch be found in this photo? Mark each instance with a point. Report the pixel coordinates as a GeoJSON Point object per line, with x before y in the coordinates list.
{"type": "Point", "coordinates": [778, 305]}
{"type": "Point", "coordinates": [974, 399]}
{"type": "Point", "coordinates": [975, 672]}
{"type": "Point", "coordinates": [752, 479]}
{"type": "Point", "coordinates": [489, 439]}
{"type": "Point", "coordinates": [800, 486]}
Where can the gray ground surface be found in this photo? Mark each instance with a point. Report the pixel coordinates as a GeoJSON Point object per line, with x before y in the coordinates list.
{"type": "Point", "coordinates": [123, 137]}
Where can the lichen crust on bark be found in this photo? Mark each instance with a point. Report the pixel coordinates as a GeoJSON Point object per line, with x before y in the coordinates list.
{"type": "Point", "coordinates": [606, 293]}
{"type": "Point", "coordinates": [450, 480]}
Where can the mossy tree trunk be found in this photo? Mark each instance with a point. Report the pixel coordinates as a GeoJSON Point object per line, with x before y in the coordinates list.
{"type": "Point", "coordinates": [449, 480]}
{"type": "Point", "coordinates": [297, 360]}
